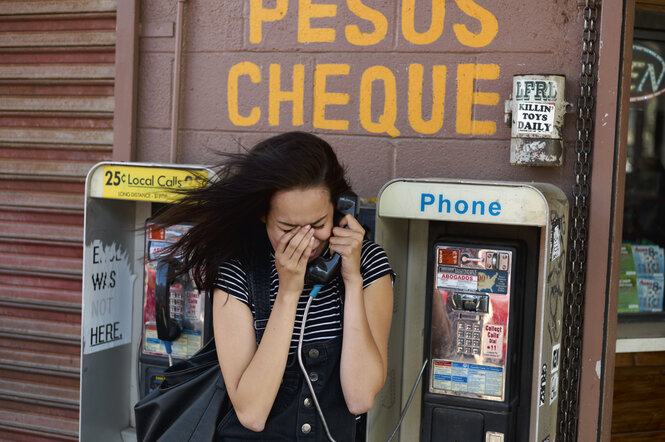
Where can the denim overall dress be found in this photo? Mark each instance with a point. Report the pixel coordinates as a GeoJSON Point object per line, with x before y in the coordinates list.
{"type": "Point", "coordinates": [294, 416]}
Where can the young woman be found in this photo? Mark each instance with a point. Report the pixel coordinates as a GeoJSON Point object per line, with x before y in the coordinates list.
{"type": "Point", "coordinates": [274, 207]}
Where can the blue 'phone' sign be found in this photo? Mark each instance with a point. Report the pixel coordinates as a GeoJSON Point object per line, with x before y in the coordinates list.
{"type": "Point", "coordinates": [460, 206]}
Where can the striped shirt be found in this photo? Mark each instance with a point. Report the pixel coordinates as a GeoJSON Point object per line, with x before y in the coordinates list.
{"type": "Point", "coordinates": [324, 320]}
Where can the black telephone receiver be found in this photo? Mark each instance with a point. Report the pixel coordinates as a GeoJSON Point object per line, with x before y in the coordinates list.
{"type": "Point", "coordinates": [168, 328]}
{"type": "Point", "coordinates": [321, 270]}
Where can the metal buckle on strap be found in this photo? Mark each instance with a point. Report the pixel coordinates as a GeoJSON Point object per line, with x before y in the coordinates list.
{"type": "Point", "coordinates": [260, 324]}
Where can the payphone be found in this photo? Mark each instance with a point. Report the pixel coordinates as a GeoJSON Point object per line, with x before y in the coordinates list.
{"type": "Point", "coordinates": [121, 355]}
{"type": "Point", "coordinates": [479, 295]}
{"type": "Point", "coordinates": [174, 322]}
{"type": "Point", "coordinates": [477, 338]}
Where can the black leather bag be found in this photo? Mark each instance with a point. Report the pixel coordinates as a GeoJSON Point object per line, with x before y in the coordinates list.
{"type": "Point", "coordinates": [188, 404]}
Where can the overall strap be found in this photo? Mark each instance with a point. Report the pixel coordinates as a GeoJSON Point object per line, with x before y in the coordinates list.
{"type": "Point", "coordinates": [259, 292]}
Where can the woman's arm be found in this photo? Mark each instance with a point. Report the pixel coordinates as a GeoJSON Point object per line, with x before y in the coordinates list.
{"type": "Point", "coordinates": [367, 318]}
{"type": "Point", "coordinates": [364, 364]}
{"type": "Point", "coordinates": [253, 375]}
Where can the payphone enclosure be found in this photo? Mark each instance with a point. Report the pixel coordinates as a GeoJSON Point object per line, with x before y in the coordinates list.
{"type": "Point", "coordinates": [119, 198]}
{"type": "Point", "coordinates": [479, 292]}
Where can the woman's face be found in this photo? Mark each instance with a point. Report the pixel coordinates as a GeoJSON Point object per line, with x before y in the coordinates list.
{"type": "Point", "coordinates": [300, 207]}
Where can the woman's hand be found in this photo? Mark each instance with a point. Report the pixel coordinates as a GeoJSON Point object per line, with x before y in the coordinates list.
{"type": "Point", "coordinates": [291, 256]}
{"type": "Point", "coordinates": [347, 240]}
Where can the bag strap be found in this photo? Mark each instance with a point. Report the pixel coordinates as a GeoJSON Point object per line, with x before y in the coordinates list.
{"type": "Point", "coordinates": [259, 292]}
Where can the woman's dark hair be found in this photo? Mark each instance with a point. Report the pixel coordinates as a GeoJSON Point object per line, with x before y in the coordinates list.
{"type": "Point", "coordinates": [226, 212]}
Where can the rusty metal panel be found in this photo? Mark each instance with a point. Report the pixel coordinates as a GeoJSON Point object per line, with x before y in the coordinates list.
{"type": "Point", "coordinates": [56, 103]}
{"type": "Point", "coordinates": [58, 39]}
{"type": "Point", "coordinates": [57, 135]}
{"type": "Point", "coordinates": [57, 69]}
{"type": "Point", "coordinates": [22, 8]}
{"type": "Point", "coordinates": [72, 73]}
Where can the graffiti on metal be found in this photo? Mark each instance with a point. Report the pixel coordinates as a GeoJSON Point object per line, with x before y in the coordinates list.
{"type": "Point", "coordinates": [107, 303]}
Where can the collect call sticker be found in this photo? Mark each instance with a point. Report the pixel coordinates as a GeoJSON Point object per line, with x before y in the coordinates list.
{"type": "Point", "coordinates": [493, 341]}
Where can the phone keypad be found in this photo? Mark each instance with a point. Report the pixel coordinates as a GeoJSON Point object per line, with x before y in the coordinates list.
{"type": "Point", "coordinates": [468, 338]}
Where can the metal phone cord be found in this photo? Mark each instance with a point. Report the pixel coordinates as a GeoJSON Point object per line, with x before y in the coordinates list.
{"type": "Point", "coordinates": [302, 366]}
{"type": "Point", "coordinates": [301, 335]}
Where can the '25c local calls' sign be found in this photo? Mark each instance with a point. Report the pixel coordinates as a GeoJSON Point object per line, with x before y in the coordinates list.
{"type": "Point", "coordinates": [149, 183]}
{"type": "Point", "coordinates": [376, 101]}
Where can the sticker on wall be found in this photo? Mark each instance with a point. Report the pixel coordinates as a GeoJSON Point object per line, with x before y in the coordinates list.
{"type": "Point", "coordinates": [554, 387]}
{"type": "Point", "coordinates": [556, 353]}
{"type": "Point", "coordinates": [556, 238]}
{"type": "Point", "coordinates": [542, 389]}
{"type": "Point", "coordinates": [535, 118]}
{"type": "Point", "coordinates": [107, 304]}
